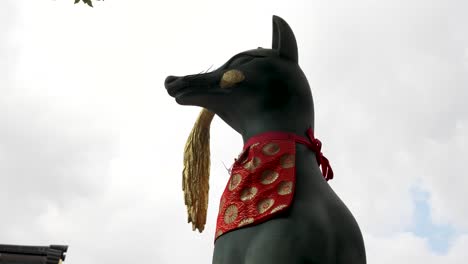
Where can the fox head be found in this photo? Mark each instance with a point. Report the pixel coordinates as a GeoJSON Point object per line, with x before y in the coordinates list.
{"type": "Point", "coordinates": [253, 87]}
{"type": "Point", "coordinates": [255, 91]}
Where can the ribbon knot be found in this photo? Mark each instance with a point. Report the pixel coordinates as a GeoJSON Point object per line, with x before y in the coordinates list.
{"type": "Point", "coordinates": [321, 160]}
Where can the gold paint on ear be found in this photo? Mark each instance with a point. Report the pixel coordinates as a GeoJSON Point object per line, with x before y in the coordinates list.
{"type": "Point", "coordinates": [230, 78]}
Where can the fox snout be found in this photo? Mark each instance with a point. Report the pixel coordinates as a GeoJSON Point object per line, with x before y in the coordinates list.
{"type": "Point", "coordinates": [171, 85]}
{"type": "Point", "coordinates": [178, 86]}
{"type": "Point", "coordinates": [169, 80]}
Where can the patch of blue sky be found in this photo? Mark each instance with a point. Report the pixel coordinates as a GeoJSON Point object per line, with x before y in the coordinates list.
{"type": "Point", "coordinates": [439, 237]}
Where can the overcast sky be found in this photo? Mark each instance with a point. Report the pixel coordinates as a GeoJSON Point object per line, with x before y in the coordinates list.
{"type": "Point", "coordinates": [91, 144]}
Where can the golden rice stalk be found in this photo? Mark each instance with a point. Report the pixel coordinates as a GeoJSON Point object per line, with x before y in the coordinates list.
{"type": "Point", "coordinates": [196, 173]}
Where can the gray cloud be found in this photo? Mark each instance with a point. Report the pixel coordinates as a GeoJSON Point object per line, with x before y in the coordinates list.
{"type": "Point", "coordinates": [389, 83]}
{"type": "Point", "coordinates": [48, 155]}
{"type": "Point", "coordinates": [387, 78]}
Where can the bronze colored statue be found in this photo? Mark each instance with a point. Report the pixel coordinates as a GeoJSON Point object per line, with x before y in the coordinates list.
{"type": "Point", "coordinates": [277, 206]}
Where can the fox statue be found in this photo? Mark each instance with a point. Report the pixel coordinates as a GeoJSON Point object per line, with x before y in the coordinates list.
{"type": "Point", "coordinates": [278, 207]}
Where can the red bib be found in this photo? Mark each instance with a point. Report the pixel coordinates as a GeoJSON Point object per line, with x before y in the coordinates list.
{"type": "Point", "coordinates": [263, 179]}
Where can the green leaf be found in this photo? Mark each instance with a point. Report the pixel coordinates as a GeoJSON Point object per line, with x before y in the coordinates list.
{"type": "Point", "coordinates": [88, 2]}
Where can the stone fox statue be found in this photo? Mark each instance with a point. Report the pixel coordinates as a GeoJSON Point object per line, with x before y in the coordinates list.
{"type": "Point", "coordinates": [277, 206]}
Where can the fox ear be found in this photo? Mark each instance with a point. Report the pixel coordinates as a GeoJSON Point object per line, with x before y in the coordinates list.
{"type": "Point", "coordinates": [284, 40]}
